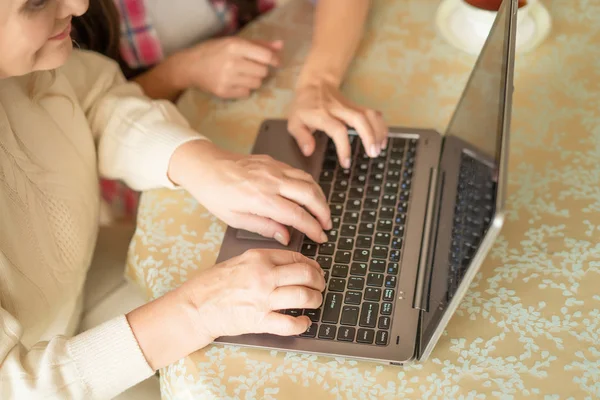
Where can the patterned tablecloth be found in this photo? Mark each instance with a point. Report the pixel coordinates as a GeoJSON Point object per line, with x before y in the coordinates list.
{"type": "Point", "coordinates": [529, 326]}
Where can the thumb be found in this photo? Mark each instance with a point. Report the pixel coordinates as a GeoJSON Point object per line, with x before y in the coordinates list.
{"type": "Point", "coordinates": [303, 135]}
{"type": "Point", "coordinates": [285, 325]}
{"type": "Point", "coordinates": [263, 226]}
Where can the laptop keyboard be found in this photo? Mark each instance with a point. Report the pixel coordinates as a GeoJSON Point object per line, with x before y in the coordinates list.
{"type": "Point", "coordinates": [369, 204]}
{"type": "Point", "coordinates": [473, 213]}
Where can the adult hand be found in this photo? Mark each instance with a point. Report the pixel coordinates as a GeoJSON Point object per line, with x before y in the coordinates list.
{"type": "Point", "coordinates": [255, 193]}
{"type": "Point", "coordinates": [319, 105]}
{"type": "Point", "coordinates": [229, 67]}
{"type": "Point", "coordinates": [242, 295]}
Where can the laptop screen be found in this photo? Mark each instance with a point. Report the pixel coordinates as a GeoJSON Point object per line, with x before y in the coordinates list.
{"type": "Point", "coordinates": [478, 116]}
{"type": "Point", "coordinates": [478, 121]}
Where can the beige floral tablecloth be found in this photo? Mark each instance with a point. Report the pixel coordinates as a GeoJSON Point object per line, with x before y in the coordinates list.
{"type": "Point", "coordinates": [530, 324]}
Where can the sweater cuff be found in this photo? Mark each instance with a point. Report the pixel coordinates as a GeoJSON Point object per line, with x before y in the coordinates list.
{"type": "Point", "coordinates": [109, 359]}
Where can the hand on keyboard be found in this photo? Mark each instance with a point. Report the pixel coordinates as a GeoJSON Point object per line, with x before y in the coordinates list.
{"type": "Point", "coordinates": [321, 106]}
{"type": "Point", "coordinates": [255, 193]}
{"type": "Point", "coordinates": [243, 295]}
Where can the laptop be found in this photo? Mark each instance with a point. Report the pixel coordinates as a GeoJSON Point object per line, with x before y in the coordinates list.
{"type": "Point", "coordinates": [411, 227]}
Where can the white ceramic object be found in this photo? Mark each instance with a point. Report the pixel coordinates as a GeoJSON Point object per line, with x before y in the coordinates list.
{"type": "Point", "coordinates": [466, 27]}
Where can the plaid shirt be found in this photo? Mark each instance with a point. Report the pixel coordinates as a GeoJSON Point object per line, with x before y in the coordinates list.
{"type": "Point", "coordinates": [140, 47]}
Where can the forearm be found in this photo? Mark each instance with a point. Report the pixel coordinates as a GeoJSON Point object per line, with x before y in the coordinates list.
{"type": "Point", "coordinates": [165, 81]}
{"type": "Point", "coordinates": [337, 33]}
{"type": "Point", "coordinates": [165, 330]}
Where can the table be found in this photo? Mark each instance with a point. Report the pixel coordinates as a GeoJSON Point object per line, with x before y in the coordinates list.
{"type": "Point", "coordinates": [529, 326]}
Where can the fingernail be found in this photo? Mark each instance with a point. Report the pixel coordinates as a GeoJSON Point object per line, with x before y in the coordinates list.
{"type": "Point", "coordinates": [306, 150]}
{"type": "Point", "coordinates": [346, 163]}
{"type": "Point", "coordinates": [279, 237]}
{"type": "Point", "coordinates": [374, 152]}
{"type": "Point", "coordinates": [323, 237]}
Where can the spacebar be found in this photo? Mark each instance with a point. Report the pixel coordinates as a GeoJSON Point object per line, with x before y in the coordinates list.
{"type": "Point", "coordinates": [332, 307]}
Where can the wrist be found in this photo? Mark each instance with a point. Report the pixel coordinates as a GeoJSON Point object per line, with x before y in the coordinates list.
{"type": "Point", "coordinates": [187, 159]}
{"type": "Point", "coordinates": [177, 70]}
{"type": "Point", "coordinates": [318, 76]}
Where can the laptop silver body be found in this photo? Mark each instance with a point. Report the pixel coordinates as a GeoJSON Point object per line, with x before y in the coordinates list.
{"type": "Point", "coordinates": [436, 264]}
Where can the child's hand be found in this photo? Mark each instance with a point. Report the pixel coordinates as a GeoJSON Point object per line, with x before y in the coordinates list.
{"type": "Point", "coordinates": [319, 105]}
{"type": "Point", "coordinates": [255, 193]}
{"type": "Point", "coordinates": [229, 67]}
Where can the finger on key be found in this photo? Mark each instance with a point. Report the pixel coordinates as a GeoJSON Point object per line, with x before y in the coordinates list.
{"type": "Point", "coordinates": [358, 120]}
{"type": "Point", "coordinates": [286, 297]}
{"type": "Point", "coordinates": [286, 257]}
{"type": "Point", "coordinates": [380, 128]}
{"type": "Point", "coordinates": [284, 325]}
{"type": "Point", "coordinates": [292, 214]}
{"type": "Point", "coordinates": [299, 274]}
{"type": "Point", "coordinates": [310, 196]}
{"type": "Point", "coordinates": [338, 132]}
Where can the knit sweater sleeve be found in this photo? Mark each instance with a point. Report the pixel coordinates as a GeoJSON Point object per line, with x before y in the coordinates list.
{"type": "Point", "coordinates": [97, 364]}
{"type": "Point", "coordinates": [136, 136]}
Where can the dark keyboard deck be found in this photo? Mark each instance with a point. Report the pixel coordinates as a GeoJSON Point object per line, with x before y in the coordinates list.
{"type": "Point", "coordinates": [473, 213]}
{"type": "Point", "coordinates": [362, 258]}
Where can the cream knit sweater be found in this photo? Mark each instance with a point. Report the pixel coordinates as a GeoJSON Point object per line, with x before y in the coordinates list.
{"type": "Point", "coordinates": [83, 121]}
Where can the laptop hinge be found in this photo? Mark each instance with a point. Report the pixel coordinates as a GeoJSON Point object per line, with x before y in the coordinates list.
{"type": "Point", "coordinates": [422, 287]}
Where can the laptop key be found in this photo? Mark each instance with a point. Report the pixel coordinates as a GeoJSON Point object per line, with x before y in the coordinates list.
{"type": "Point", "coordinates": [326, 188]}
{"type": "Point", "coordinates": [374, 191]}
{"type": "Point", "coordinates": [398, 231]}
{"type": "Point", "coordinates": [346, 243]}
{"type": "Point", "coordinates": [382, 238]}
{"type": "Point", "coordinates": [388, 199]}
{"type": "Point", "coordinates": [333, 234]}
{"type": "Point", "coordinates": [381, 338]}
{"type": "Point", "coordinates": [358, 269]}
{"type": "Point", "coordinates": [327, 249]}
{"type": "Point", "coordinates": [309, 250]}
{"type": "Point", "coordinates": [356, 283]}
{"type": "Point", "coordinates": [397, 243]}
{"type": "Point", "coordinates": [314, 315]}
{"type": "Point", "coordinates": [393, 268]}
{"type": "Point", "coordinates": [368, 314]}
{"type": "Point", "coordinates": [386, 213]}
{"type": "Point", "coordinates": [356, 193]}
{"type": "Point", "coordinates": [359, 180]}
{"type": "Point", "coordinates": [326, 176]}
{"type": "Point", "coordinates": [349, 315]}
{"type": "Point", "coordinates": [364, 242]}
{"type": "Point", "coordinates": [384, 322]}
{"type": "Point", "coordinates": [341, 185]}
{"type": "Point", "coordinates": [353, 298]}
{"type": "Point", "coordinates": [390, 281]}
{"type": "Point", "coordinates": [371, 204]}
{"type": "Point", "coordinates": [388, 295]}
{"type": "Point", "coordinates": [386, 309]}
{"type": "Point", "coordinates": [336, 209]}
{"type": "Point", "coordinates": [339, 271]}
{"type": "Point", "coordinates": [346, 334]}
{"type": "Point", "coordinates": [365, 336]}
{"type": "Point", "coordinates": [324, 262]}
{"type": "Point", "coordinates": [337, 285]}
{"type": "Point", "coordinates": [327, 332]}
{"type": "Point", "coordinates": [391, 188]}
{"type": "Point", "coordinates": [377, 266]}
{"type": "Point", "coordinates": [348, 230]}
{"type": "Point", "coordinates": [351, 217]}
{"type": "Point", "coordinates": [336, 222]}
{"type": "Point", "coordinates": [354, 205]}
{"type": "Point", "coordinates": [366, 228]}
{"type": "Point", "coordinates": [384, 225]}
{"type": "Point", "coordinates": [338, 197]}
{"type": "Point", "coordinates": [332, 307]}
{"type": "Point", "coordinates": [361, 255]}
{"type": "Point", "coordinates": [294, 312]}
{"type": "Point", "coordinates": [395, 255]}
{"type": "Point", "coordinates": [375, 280]}
{"type": "Point", "coordinates": [343, 257]}
{"type": "Point", "coordinates": [400, 219]}
{"type": "Point", "coordinates": [311, 332]}
{"type": "Point", "coordinates": [380, 252]}
{"type": "Point", "coordinates": [368, 216]}
{"type": "Point", "coordinates": [373, 294]}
